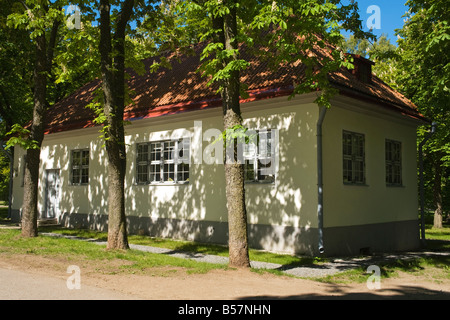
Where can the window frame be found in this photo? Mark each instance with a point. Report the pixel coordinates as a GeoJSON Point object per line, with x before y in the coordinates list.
{"type": "Point", "coordinates": [392, 163]}
{"type": "Point", "coordinates": [79, 167]}
{"type": "Point", "coordinates": [356, 158]}
{"type": "Point", "coordinates": [257, 156]}
{"type": "Point", "coordinates": [155, 159]}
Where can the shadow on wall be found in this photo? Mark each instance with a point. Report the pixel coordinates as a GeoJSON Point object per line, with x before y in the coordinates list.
{"type": "Point", "coordinates": [84, 206]}
{"type": "Point", "coordinates": [282, 216]}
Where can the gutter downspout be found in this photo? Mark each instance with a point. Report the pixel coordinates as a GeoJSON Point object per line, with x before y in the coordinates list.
{"type": "Point", "coordinates": [323, 111]}
{"type": "Point", "coordinates": [422, 196]}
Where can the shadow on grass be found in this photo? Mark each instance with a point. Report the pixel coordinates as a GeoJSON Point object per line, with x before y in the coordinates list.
{"type": "Point", "coordinates": [408, 263]}
{"type": "Point", "coordinates": [4, 216]}
{"type": "Point", "coordinates": [336, 292]}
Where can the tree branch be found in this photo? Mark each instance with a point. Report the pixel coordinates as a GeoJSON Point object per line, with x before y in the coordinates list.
{"type": "Point", "coordinates": [52, 44]}
{"type": "Point", "coordinates": [123, 18]}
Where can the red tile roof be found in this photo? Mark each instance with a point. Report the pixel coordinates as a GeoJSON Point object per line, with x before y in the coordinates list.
{"type": "Point", "coordinates": [181, 88]}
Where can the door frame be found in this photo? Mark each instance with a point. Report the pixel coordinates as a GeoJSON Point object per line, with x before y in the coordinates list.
{"type": "Point", "coordinates": [46, 194]}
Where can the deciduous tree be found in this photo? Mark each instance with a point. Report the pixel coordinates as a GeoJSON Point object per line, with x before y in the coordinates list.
{"type": "Point", "coordinates": [42, 19]}
{"type": "Point", "coordinates": [291, 31]}
{"type": "Point", "coordinates": [423, 75]}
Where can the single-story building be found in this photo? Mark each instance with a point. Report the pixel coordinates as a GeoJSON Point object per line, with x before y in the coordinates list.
{"type": "Point", "coordinates": [341, 180]}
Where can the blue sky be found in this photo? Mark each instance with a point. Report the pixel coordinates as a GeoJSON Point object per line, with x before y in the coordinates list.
{"type": "Point", "coordinates": [391, 12]}
{"type": "Point", "coordinates": [390, 16]}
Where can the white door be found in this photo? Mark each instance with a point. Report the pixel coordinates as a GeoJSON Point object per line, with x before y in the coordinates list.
{"type": "Point", "coordinates": [51, 194]}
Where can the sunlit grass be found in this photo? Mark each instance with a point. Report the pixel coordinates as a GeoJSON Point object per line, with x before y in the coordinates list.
{"type": "Point", "coordinates": [436, 267]}
{"type": "Point", "coordinates": [438, 233]}
{"type": "Point", "coordinates": [11, 242]}
{"type": "Point", "coordinates": [190, 246]}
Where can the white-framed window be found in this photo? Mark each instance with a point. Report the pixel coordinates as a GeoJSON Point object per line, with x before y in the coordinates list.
{"type": "Point", "coordinates": [353, 150]}
{"type": "Point", "coordinates": [259, 157]}
{"type": "Point", "coordinates": [393, 157]}
{"type": "Point", "coordinates": [164, 161]}
{"type": "Point", "coordinates": [79, 168]}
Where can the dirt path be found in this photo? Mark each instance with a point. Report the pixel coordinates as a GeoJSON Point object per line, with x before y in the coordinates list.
{"type": "Point", "coordinates": [175, 284]}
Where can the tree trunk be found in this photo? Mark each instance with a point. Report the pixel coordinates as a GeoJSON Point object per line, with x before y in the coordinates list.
{"type": "Point", "coordinates": [42, 67]}
{"type": "Point", "coordinates": [31, 179]}
{"type": "Point", "coordinates": [234, 171]}
{"type": "Point", "coordinates": [114, 103]}
{"type": "Point", "coordinates": [437, 194]}
{"type": "Point", "coordinates": [117, 223]}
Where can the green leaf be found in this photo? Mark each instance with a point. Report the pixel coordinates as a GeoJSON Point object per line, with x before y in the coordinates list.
{"type": "Point", "coordinates": [20, 136]}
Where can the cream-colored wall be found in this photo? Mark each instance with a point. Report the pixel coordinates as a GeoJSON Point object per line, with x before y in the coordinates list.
{"type": "Point", "coordinates": [347, 205]}
{"type": "Point", "coordinates": [55, 154]}
{"type": "Point", "coordinates": [290, 201]}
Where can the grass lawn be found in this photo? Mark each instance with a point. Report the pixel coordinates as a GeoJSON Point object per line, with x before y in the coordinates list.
{"type": "Point", "coordinates": [11, 243]}
{"type": "Point", "coordinates": [188, 246]}
{"type": "Point", "coordinates": [3, 215]}
{"type": "Point", "coordinates": [437, 267]}
{"type": "Point", "coordinates": [132, 260]}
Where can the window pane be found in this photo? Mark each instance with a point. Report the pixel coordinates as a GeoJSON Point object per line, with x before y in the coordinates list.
{"type": "Point", "coordinates": [359, 147]}
{"type": "Point", "coordinates": [265, 144]}
{"type": "Point", "coordinates": [142, 152]}
{"type": "Point", "coordinates": [142, 173]}
{"type": "Point", "coordinates": [76, 176]}
{"type": "Point", "coordinates": [359, 172]}
{"type": "Point", "coordinates": [396, 152]}
{"type": "Point", "coordinates": [348, 172]}
{"type": "Point", "coordinates": [85, 158]}
{"type": "Point", "coordinates": [85, 175]}
{"type": "Point", "coordinates": [249, 170]}
{"type": "Point", "coordinates": [169, 172]}
{"type": "Point", "coordinates": [388, 151]}
{"type": "Point", "coordinates": [388, 174]}
{"type": "Point", "coordinates": [183, 151]}
{"type": "Point", "coordinates": [347, 144]}
{"type": "Point", "coordinates": [249, 150]}
{"type": "Point", "coordinates": [155, 173]}
{"type": "Point", "coordinates": [183, 172]}
{"type": "Point", "coordinates": [76, 158]}
{"type": "Point", "coordinates": [397, 175]}
{"type": "Point", "coordinates": [156, 151]}
{"type": "Point", "coordinates": [169, 150]}
{"type": "Point", "coordinates": [265, 171]}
